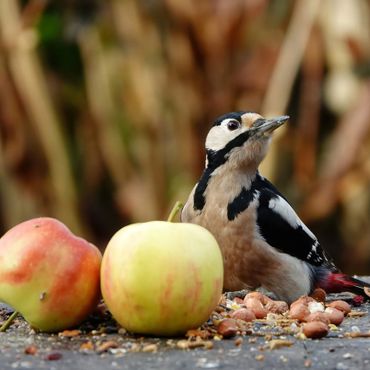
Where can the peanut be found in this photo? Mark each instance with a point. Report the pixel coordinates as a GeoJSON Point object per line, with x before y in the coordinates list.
{"type": "Point", "coordinates": [341, 306]}
{"type": "Point", "coordinates": [244, 314]}
{"type": "Point", "coordinates": [278, 307]}
{"type": "Point", "coordinates": [257, 307]}
{"type": "Point", "coordinates": [318, 316]}
{"type": "Point", "coordinates": [259, 296]}
{"type": "Point", "coordinates": [335, 316]}
{"type": "Point", "coordinates": [299, 312]}
{"type": "Point", "coordinates": [319, 295]}
{"type": "Point", "coordinates": [303, 300]}
{"type": "Point", "coordinates": [227, 328]}
{"type": "Point", "coordinates": [315, 329]}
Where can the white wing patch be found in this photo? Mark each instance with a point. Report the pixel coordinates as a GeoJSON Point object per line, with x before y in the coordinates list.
{"type": "Point", "coordinates": [313, 252]}
{"type": "Point", "coordinates": [283, 208]}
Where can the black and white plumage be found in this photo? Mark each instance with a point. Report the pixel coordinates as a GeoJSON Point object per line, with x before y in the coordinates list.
{"type": "Point", "coordinates": [263, 241]}
{"type": "Point", "coordinates": [278, 223]}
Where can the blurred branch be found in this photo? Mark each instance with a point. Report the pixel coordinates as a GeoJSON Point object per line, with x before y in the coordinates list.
{"type": "Point", "coordinates": [97, 79]}
{"type": "Point", "coordinates": [16, 203]}
{"type": "Point", "coordinates": [279, 89]}
{"type": "Point", "coordinates": [32, 12]}
{"type": "Point", "coordinates": [31, 85]}
{"type": "Point", "coordinates": [350, 134]}
{"type": "Point", "coordinates": [280, 86]}
{"type": "Point", "coordinates": [306, 135]}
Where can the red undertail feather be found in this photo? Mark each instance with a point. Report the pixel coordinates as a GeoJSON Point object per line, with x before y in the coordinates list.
{"type": "Point", "coordinates": [336, 283]}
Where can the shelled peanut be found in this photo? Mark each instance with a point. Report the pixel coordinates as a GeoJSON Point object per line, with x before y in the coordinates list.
{"type": "Point", "coordinates": [261, 305]}
{"type": "Point", "coordinates": [317, 315]}
{"type": "Point", "coordinates": [311, 312]}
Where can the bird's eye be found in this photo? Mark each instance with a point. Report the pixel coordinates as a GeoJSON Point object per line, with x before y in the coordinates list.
{"type": "Point", "coordinates": [233, 125]}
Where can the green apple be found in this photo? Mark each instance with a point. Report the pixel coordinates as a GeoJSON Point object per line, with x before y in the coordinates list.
{"type": "Point", "coordinates": [162, 278]}
{"type": "Point", "coordinates": [48, 274]}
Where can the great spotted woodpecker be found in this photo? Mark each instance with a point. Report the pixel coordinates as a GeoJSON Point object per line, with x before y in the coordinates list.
{"type": "Point", "coordinates": [263, 241]}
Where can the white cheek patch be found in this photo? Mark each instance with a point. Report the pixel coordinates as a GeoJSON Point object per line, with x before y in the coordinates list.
{"type": "Point", "coordinates": [220, 135]}
{"type": "Point", "coordinates": [283, 208]}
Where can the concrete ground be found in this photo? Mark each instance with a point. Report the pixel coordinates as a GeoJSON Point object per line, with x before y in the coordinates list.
{"type": "Point", "coordinates": [109, 349]}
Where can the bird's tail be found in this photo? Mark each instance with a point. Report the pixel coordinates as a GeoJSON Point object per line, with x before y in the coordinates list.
{"type": "Point", "coordinates": [336, 282]}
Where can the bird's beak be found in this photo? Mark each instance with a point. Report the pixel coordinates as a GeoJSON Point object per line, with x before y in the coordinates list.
{"type": "Point", "coordinates": [267, 126]}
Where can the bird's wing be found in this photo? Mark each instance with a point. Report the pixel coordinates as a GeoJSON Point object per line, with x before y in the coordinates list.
{"type": "Point", "coordinates": [281, 227]}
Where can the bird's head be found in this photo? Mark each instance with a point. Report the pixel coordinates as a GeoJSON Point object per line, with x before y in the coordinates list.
{"type": "Point", "coordinates": [240, 138]}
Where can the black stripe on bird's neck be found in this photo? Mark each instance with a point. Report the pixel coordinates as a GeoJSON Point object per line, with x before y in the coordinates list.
{"type": "Point", "coordinates": [215, 159]}
{"type": "Point", "coordinates": [199, 198]}
{"type": "Point", "coordinates": [242, 201]}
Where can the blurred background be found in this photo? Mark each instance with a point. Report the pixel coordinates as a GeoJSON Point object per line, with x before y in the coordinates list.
{"type": "Point", "coordinates": [105, 105]}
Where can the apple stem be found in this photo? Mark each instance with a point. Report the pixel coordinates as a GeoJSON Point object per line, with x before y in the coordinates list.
{"type": "Point", "coordinates": [174, 211]}
{"type": "Point", "coordinates": [9, 321]}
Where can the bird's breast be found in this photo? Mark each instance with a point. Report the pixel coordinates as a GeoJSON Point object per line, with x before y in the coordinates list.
{"type": "Point", "coordinates": [237, 240]}
{"type": "Point", "coordinates": [230, 214]}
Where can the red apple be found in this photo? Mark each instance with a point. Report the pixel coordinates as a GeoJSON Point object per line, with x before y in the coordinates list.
{"type": "Point", "coordinates": [162, 278]}
{"type": "Point", "coordinates": [48, 274]}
